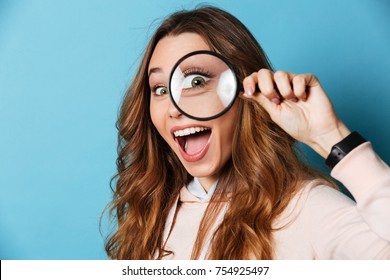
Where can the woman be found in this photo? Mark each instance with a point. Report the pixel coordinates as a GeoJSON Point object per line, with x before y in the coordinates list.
{"type": "Point", "coordinates": [242, 193]}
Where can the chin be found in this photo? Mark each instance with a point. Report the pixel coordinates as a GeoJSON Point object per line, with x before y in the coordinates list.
{"type": "Point", "coordinates": [200, 172]}
{"type": "Point", "coordinates": [203, 169]}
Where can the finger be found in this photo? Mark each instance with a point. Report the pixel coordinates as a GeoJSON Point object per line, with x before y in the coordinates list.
{"type": "Point", "coordinates": [249, 84]}
{"type": "Point", "coordinates": [299, 87]}
{"type": "Point", "coordinates": [303, 83]}
{"type": "Point", "coordinates": [311, 80]}
{"type": "Point", "coordinates": [269, 105]}
{"type": "Point", "coordinates": [266, 85]}
{"type": "Point", "coordinates": [283, 82]}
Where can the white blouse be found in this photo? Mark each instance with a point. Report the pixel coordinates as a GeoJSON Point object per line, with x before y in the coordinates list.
{"type": "Point", "coordinates": [319, 223]}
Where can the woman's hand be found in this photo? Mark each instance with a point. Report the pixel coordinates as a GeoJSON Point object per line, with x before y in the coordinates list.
{"type": "Point", "coordinates": [299, 105]}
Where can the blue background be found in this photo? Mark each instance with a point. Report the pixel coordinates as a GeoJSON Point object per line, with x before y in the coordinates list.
{"type": "Point", "coordinates": [64, 67]}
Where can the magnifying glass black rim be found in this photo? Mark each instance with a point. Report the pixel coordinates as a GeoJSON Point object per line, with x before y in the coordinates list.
{"type": "Point", "coordinates": [226, 62]}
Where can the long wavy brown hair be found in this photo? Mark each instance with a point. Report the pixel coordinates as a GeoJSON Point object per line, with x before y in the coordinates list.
{"type": "Point", "coordinates": [262, 176]}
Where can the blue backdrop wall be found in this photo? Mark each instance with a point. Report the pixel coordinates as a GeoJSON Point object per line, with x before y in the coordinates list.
{"type": "Point", "coordinates": [64, 66]}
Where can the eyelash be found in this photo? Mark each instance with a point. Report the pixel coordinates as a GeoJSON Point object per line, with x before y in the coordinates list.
{"type": "Point", "coordinates": [197, 71]}
{"type": "Point", "coordinates": [189, 71]}
{"type": "Point", "coordinates": [156, 87]}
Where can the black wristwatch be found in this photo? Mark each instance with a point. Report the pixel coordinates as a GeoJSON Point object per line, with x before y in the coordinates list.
{"type": "Point", "coordinates": [342, 148]}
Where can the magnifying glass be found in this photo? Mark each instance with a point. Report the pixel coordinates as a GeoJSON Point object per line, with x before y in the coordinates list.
{"type": "Point", "coordinates": [203, 85]}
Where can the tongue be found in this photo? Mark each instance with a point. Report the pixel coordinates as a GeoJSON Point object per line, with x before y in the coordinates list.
{"type": "Point", "coordinates": [196, 142]}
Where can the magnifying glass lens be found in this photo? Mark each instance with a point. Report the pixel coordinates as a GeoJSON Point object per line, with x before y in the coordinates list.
{"type": "Point", "coordinates": [202, 85]}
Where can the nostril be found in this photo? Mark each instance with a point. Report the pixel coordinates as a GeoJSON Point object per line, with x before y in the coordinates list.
{"type": "Point", "coordinates": [173, 111]}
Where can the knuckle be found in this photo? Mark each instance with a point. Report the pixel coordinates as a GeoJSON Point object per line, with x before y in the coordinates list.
{"type": "Point", "coordinates": [280, 74]}
{"type": "Point", "coordinates": [299, 79]}
{"type": "Point", "coordinates": [314, 77]}
{"type": "Point", "coordinates": [250, 78]}
{"type": "Point", "coordinates": [246, 80]}
{"type": "Point", "coordinates": [263, 72]}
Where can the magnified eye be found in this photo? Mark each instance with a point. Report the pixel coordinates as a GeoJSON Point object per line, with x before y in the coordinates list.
{"type": "Point", "coordinates": [193, 81]}
{"type": "Point", "coordinates": [160, 91]}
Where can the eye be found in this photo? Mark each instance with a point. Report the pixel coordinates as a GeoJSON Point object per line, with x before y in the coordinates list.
{"type": "Point", "coordinates": [193, 81]}
{"type": "Point", "coordinates": [160, 90]}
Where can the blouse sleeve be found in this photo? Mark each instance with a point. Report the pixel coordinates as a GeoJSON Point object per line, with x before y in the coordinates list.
{"type": "Point", "coordinates": [367, 177]}
{"type": "Point", "coordinates": [334, 226]}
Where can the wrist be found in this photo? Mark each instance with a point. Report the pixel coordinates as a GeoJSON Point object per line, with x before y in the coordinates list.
{"type": "Point", "coordinates": [323, 144]}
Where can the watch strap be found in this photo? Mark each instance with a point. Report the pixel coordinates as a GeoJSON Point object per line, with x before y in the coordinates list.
{"type": "Point", "coordinates": [342, 148]}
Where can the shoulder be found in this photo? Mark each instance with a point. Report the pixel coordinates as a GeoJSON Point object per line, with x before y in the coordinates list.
{"type": "Point", "coordinates": [315, 202]}
{"type": "Point", "coordinates": [321, 222]}
{"type": "Point", "coordinates": [319, 193]}
{"type": "Point", "coordinates": [304, 223]}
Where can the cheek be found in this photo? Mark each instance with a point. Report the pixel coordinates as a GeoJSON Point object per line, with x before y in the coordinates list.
{"type": "Point", "coordinates": [227, 139]}
{"type": "Point", "coordinates": [226, 130]}
{"type": "Point", "coordinates": [158, 117]}
{"type": "Point", "coordinates": [228, 125]}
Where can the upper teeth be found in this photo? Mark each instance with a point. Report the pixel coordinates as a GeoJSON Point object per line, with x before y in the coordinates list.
{"type": "Point", "coordinates": [188, 131]}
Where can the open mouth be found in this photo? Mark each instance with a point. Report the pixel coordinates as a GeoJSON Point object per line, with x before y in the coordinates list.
{"type": "Point", "coordinates": [193, 141]}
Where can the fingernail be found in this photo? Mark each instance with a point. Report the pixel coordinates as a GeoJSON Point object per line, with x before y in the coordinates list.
{"type": "Point", "coordinates": [249, 91]}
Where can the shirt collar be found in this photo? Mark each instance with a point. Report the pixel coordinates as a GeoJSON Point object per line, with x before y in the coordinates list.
{"type": "Point", "coordinates": [196, 189]}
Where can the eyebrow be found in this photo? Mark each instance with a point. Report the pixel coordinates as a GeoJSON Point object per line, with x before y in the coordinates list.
{"type": "Point", "coordinates": [154, 70]}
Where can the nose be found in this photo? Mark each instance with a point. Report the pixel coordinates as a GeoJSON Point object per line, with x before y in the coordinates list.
{"type": "Point", "coordinates": [173, 111]}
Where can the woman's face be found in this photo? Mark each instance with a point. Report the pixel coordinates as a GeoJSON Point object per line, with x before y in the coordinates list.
{"type": "Point", "coordinates": [203, 147]}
